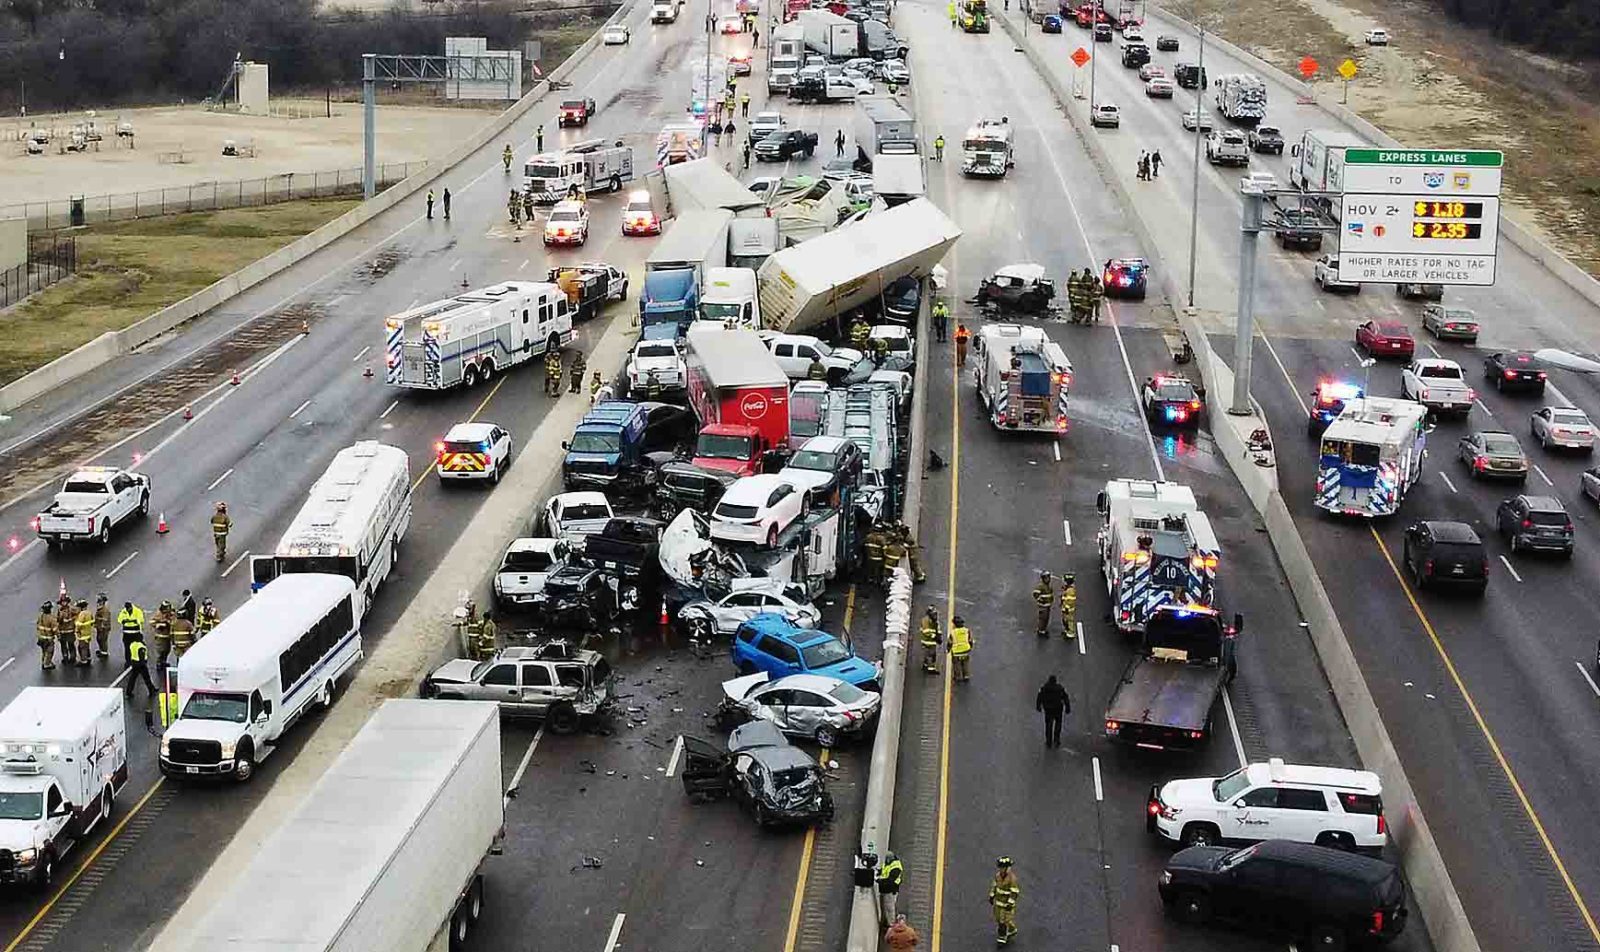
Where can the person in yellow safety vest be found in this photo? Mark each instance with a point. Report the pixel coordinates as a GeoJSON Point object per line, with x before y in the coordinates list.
{"type": "Point", "coordinates": [1044, 594]}
{"type": "Point", "coordinates": [579, 363]}
{"type": "Point", "coordinates": [163, 632]}
{"type": "Point", "coordinates": [131, 621]}
{"type": "Point", "coordinates": [894, 550]}
{"type": "Point", "coordinates": [168, 706]}
{"type": "Point", "coordinates": [221, 522]}
{"type": "Point", "coordinates": [941, 321]}
{"type": "Point", "coordinates": [1069, 607]}
{"type": "Point", "coordinates": [594, 388]}
{"type": "Point", "coordinates": [961, 642]}
{"type": "Point", "coordinates": [874, 547]}
{"type": "Point", "coordinates": [208, 619]}
{"type": "Point", "coordinates": [505, 157]}
{"type": "Point", "coordinates": [486, 640]}
{"type": "Point", "coordinates": [929, 636]}
{"type": "Point", "coordinates": [890, 875]}
{"type": "Point", "coordinates": [917, 575]}
{"type": "Point", "coordinates": [951, 6]}
{"type": "Point", "coordinates": [859, 332]}
{"type": "Point", "coordinates": [83, 628]}
{"type": "Point", "coordinates": [138, 661]}
{"type": "Point", "coordinates": [744, 104]}
{"type": "Point", "coordinates": [938, 147]}
{"type": "Point", "coordinates": [1004, 891]}
{"type": "Point", "coordinates": [102, 626]}
{"type": "Point", "coordinates": [182, 635]}
{"type": "Point", "coordinates": [44, 629]}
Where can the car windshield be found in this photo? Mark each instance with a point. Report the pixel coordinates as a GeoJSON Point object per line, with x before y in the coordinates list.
{"type": "Point", "coordinates": [203, 706]}
{"type": "Point", "coordinates": [638, 208]}
{"type": "Point", "coordinates": [985, 145]}
{"type": "Point", "coordinates": [542, 170]}
{"type": "Point", "coordinates": [1263, 132]}
{"type": "Point", "coordinates": [1174, 389]}
{"type": "Point", "coordinates": [596, 443]}
{"type": "Point", "coordinates": [657, 349]}
{"type": "Point", "coordinates": [1225, 789]}
{"type": "Point", "coordinates": [722, 446]}
{"type": "Point", "coordinates": [814, 459]}
{"type": "Point", "coordinates": [1459, 314]}
{"type": "Point", "coordinates": [21, 806]}
{"type": "Point", "coordinates": [717, 311]}
{"type": "Point", "coordinates": [564, 215]}
{"type": "Point", "coordinates": [824, 653]}
{"type": "Point", "coordinates": [462, 446]}
{"type": "Point", "coordinates": [585, 511]}
{"type": "Point", "coordinates": [1569, 417]}
{"type": "Point", "coordinates": [846, 693]}
{"type": "Point", "coordinates": [534, 561]}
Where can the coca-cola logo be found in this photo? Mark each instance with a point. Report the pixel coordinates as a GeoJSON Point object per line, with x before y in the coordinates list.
{"type": "Point", "coordinates": [753, 405]}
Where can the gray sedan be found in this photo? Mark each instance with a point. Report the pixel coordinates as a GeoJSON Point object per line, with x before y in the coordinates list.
{"type": "Point", "coordinates": [805, 705]}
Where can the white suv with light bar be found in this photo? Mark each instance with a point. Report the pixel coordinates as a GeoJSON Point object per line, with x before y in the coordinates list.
{"type": "Point", "coordinates": [1329, 806]}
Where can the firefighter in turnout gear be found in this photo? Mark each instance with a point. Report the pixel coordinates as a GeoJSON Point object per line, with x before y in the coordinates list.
{"type": "Point", "coordinates": [874, 547]}
{"type": "Point", "coordinates": [594, 388]}
{"type": "Point", "coordinates": [652, 386]}
{"type": "Point", "coordinates": [818, 370]}
{"type": "Point", "coordinates": [514, 208]}
{"type": "Point", "coordinates": [1004, 890]}
{"type": "Point", "coordinates": [505, 158]}
{"type": "Point", "coordinates": [485, 641]}
{"type": "Point", "coordinates": [527, 207]}
{"type": "Point", "coordinates": [859, 334]}
{"type": "Point", "coordinates": [929, 636]}
{"type": "Point", "coordinates": [579, 364]}
{"type": "Point", "coordinates": [552, 373]}
{"type": "Point", "coordinates": [221, 522]}
{"type": "Point", "coordinates": [894, 551]}
{"type": "Point", "coordinates": [66, 623]}
{"type": "Point", "coordinates": [961, 642]}
{"type": "Point", "coordinates": [1044, 596]}
{"type": "Point", "coordinates": [208, 619]}
{"type": "Point", "coordinates": [962, 336]}
{"type": "Point", "coordinates": [83, 629]}
{"type": "Point", "coordinates": [44, 629]}
{"type": "Point", "coordinates": [102, 626]}
{"type": "Point", "coordinates": [917, 575]}
{"type": "Point", "coordinates": [1069, 607]}
{"type": "Point", "coordinates": [182, 636]}
{"type": "Point", "coordinates": [163, 632]}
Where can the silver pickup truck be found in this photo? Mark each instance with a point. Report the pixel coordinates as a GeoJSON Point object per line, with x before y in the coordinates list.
{"type": "Point", "coordinates": [92, 502]}
{"type": "Point", "coordinates": [1438, 385]}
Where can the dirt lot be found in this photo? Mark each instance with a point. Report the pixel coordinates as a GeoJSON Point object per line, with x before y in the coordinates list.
{"type": "Point", "coordinates": [1440, 84]}
{"type": "Point", "coordinates": [129, 270]}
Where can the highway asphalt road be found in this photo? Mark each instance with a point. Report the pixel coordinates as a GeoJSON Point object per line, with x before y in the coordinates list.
{"type": "Point", "coordinates": [1010, 506]}
{"type": "Point", "coordinates": [1491, 704]}
{"type": "Point", "coordinates": [259, 445]}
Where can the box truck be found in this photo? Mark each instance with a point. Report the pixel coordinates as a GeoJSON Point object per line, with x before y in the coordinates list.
{"type": "Point", "coordinates": [1316, 163]}
{"type": "Point", "coordinates": [740, 395]}
{"type": "Point", "coordinates": [675, 270]}
{"type": "Point", "coordinates": [830, 34]}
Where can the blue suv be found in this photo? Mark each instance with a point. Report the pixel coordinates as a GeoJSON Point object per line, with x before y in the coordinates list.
{"type": "Point", "coordinates": [767, 642]}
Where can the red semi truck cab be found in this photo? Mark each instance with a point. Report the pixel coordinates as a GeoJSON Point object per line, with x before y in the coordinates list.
{"type": "Point", "coordinates": [739, 393]}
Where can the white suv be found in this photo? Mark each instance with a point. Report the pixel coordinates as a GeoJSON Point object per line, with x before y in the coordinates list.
{"type": "Point", "coordinates": [1329, 806]}
{"type": "Point", "coordinates": [473, 451]}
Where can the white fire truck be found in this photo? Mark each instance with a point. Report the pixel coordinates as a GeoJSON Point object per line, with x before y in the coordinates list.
{"type": "Point", "coordinates": [986, 149]}
{"type": "Point", "coordinates": [471, 337]}
{"type": "Point", "coordinates": [1156, 548]}
{"type": "Point", "coordinates": [582, 168]}
{"type": "Point", "coordinates": [1022, 378]}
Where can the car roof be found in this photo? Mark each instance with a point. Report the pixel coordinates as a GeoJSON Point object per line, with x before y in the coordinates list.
{"type": "Point", "coordinates": [1436, 362]}
{"type": "Point", "coordinates": [536, 544]}
{"type": "Point", "coordinates": [582, 497]}
{"type": "Point", "coordinates": [895, 330]}
{"type": "Point", "coordinates": [759, 486]}
{"type": "Point", "coordinates": [1275, 771]}
{"type": "Point", "coordinates": [468, 432]}
{"type": "Point", "coordinates": [1543, 503]}
{"type": "Point", "coordinates": [1446, 531]}
{"type": "Point", "coordinates": [1393, 327]}
{"type": "Point", "coordinates": [820, 683]}
{"type": "Point", "coordinates": [1341, 863]}
{"type": "Point", "coordinates": [825, 444]}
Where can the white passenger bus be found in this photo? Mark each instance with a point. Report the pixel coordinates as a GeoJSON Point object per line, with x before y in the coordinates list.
{"type": "Point", "coordinates": [352, 525]}
{"type": "Point", "coordinates": [244, 684]}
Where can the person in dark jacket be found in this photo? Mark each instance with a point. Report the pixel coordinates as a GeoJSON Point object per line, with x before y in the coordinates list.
{"type": "Point", "coordinates": [1054, 703]}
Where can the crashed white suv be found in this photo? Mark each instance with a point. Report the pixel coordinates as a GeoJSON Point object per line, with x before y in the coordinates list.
{"type": "Point", "coordinates": [1329, 806]}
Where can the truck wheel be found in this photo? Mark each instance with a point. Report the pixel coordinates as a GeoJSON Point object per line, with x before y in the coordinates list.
{"type": "Point", "coordinates": [144, 505]}
{"type": "Point", "coordinates": [470, 378]}
{"type": "Point", "coordinates": [46, 874]}
{"type": "Point", "coordinates": [616, 183]}
{"type": "Point", "coordinates": [1192, 907]}
{"type": "Point", "coordinates": [460, 928]}
{"type": "Point", "coordinates": [486, 370]}
{"type": "Point", "coordinates": [108, 800]}
{"type": "Point", "coordinates": [245, 766]}
{"type": "Point", "coordinates": [562, 719]}
{"type": "Point", "coordinates": [105, 532]}
{"type": "Point", "coordinates": [1199, 834]}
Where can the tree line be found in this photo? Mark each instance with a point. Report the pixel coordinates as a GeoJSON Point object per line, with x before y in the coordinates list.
{"type": "Point", "coordinates": [1565, 28]}
{"type": "Point", "coordinates": [76, 54]}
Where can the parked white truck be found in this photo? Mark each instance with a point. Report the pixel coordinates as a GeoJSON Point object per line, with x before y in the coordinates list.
{"type": "Point", "coordinates": [1316, 163]}
{"type": "Point", "coordinates": [93, 501]}
{"type": "Point", "coordinates": [1241, 98]}
{"type": "Point", "coordinates": [387, 851]}
{"type": "Point", "coordinates": [63, 759]}
{"type": "Point", "coordinates": [835, 273]}
{"type": "Point", "coordinates": [473, 336]}
{"type": "Point", "coordinates": [590, 166]}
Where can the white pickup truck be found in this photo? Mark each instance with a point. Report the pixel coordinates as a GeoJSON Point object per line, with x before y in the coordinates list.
{"type": "Point", "coordinates": [91, 503]}
{"type": "Point", "coordinates": [1438, 385]}
{"type": "Point", "coordinates": [1227, 147]}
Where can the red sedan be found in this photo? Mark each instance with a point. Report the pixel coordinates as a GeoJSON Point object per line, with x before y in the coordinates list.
{"type": "Point", "coordinates": [1386, 339]}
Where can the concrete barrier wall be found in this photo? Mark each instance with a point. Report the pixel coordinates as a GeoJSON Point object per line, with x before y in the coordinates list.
{"type": "Point", "coordinates": [96, 353]}
{"type": "Point", "coordinates": [1434, 894]}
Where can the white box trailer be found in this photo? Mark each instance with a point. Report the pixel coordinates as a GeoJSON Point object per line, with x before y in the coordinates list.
{"type": "Point", "coordinates": [898, 179]}
{"type": "Point", "coordinates": [1316, 163]}
{"type": "Point", "coordinates": [473, 336]}
{"type": "Point", "coordinates": [698, 185]}
{"type": "Point", "coordinates": [831, 274]}
{"type": "Point", "coordinates": [59, 748]}
{"type": "Point", "coordinates": [829, 34]}
{"type": "Point", "coordinates": [880, 120]}
{"type": "Point", "coordinates": [696, 239]}
{"type": "Point", "coordinates": [385, 852]}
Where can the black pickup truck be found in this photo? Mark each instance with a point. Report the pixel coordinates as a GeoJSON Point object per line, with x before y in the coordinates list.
{"type": "Point", "coordinates": [1165, 697]}
{"type": "Point", "coordinates": [785, 144]}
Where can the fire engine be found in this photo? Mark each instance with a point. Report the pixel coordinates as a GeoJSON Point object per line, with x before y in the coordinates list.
{"type": "Point", "coordinates": [1371, 455]}
{"type": "Point", "coordinates": [1156, 548]}
{"type": "Point", "coordinates": [1022, 378]}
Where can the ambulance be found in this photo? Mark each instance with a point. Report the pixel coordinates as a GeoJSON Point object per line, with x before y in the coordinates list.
{"type": "Point", "coordinates": [466, 339]}
{"type": "Point", "coordinates": [1370, 456]}
{"type": "Point", "coordinates": [1156, 548]}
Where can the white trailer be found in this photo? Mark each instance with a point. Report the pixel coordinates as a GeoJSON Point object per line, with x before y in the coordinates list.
{"type": "Point", "coordinates": [1316, 163]}
{"type": "Point", "coordinates": [880, 120]}
{"type": "Point", "coordinates": [1022, 377]}
{"type": "Point", "coordinates": [829, 34]}
{"type": "Point", "coordinates": [589, 166]}
{"type": "Point", "coordinates": [897, 178]}
{"type": "Point", "coordinates": [65, 758]}
{"type": "Point", "coordinates": [473, 336]}
{"type": "Point", "coordinates": [1156, 548]}
{"type": "Point", "coordinates": [387, 851]}
{"type": "Point", "coordinates": [697, 185]}
{"type": "Point", "coordinates": [833, 273]}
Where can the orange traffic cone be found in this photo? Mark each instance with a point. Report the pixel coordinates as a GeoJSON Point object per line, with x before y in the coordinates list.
{"type": "Point", "coordinates": [188, 413]}
{"type": "Point", "coordinates": [234, 380]}
{"type": "Point", "coordinates": [664, 623]}
{"type": "Point", "coordinates": [161, 525]}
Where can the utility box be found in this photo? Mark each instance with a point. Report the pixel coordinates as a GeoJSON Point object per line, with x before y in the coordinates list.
{"type": "Point", "coordinates": [13, 243]}
{"type": "Point", "coordinates": [253, 89]}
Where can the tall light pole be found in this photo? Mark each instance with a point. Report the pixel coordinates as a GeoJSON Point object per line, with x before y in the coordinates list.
{"type": "Point", "coordinates": [1194, 197]}
{"type": "Point", "coordinates": [1094, 50]}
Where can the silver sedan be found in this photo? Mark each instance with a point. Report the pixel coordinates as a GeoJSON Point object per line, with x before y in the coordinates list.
{"type": "Point", "coordinates": [1565, 427]}
{"type": "Point", "coordinates": [725, 615]}
{"type": "Point", "coordinates": [812, 706]}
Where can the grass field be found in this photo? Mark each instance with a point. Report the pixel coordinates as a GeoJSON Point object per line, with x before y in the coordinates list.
{"type": "Point", "coordinates": [129, 270]}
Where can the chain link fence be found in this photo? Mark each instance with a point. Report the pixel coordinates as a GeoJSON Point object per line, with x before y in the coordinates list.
{"type": "Point", "coordinates": [201, 196]}
{"type": "Point", "coordinates": [50, 258]}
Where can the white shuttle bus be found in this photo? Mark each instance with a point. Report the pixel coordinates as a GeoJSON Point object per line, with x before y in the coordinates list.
{"type": "Point", "coordinates": [244, 684]}
{"type": "Point", "coordinates": [351, 525]}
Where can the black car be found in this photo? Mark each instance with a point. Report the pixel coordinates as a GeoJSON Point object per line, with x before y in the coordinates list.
{"type": "Point", "coordinates": [1102, 33]}
{"type": "Point", "coordinates": [1331, 898]}
{"type": "Point", "coordinates": [1189, 76]}
{"type": "Point", "coordinates": [1050, 24]}
{"type": "Point", "coordinates": [575, 597]}
{"type": "Point", "coordinates": [1135, 55]}
{"type": "Point", "coordinates": [1515, 370]}
{"type": "Point", "coordinates": [779, 783]}
{"type": "Point", "coordinates": [1420, 292]}
{"type": "Point", "coordinates": [668, 427]}
{"type": "Point", "coordinates": [681, 486]}
{"type": "Point", "coordinates": [1445, 552]}
{"type": "Point", "coordinates": [784, 144]}
{"type": "Point", "coordinates": [902, 299]}
{"type": "Point", "coordinates": [1535, 522]}
{"type": "Point", "coordinates": [1167, 44]}
{"type": "Point", "coordinates": [1266, 140]}
{"type": "Point", "coordinates": [1172, 400]}
{"type": "Point", "coordinates": [1126, 278]}
{"type": "Point", "coordinates": [1297, 227]}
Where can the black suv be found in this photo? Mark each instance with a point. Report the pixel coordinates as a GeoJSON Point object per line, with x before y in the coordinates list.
{"type": "Point", "coordinates": [1135, 55]}
{"type": "Point", "coordinates": [1535, 522]}
{"type": "Point", "coordinates": [1445, 552]}
{"type": "Point", "coordinates": [1298, 227]}
{"type": "Point", "coordinates": [1330, 897]}
{"type": "Point", "coordinates": [1190, 76]}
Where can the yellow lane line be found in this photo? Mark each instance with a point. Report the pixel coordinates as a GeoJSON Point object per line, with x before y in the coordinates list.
{"type": "Point", "coordinates": [45, 910]}
{"type": "Point", "coordinates": [945, 672]}
{"type": "Point", "coordinates": [1488, 735]}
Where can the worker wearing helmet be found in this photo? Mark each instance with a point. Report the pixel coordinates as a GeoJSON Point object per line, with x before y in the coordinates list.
{"type": "Point", "coordinates": [221, 522]}
{"type": "Point", "coordinates": [45, 633]}
{"type": "Point", "coordinates": [505, 157]}
{"type": "Point", "coordinates": [1004, 890]}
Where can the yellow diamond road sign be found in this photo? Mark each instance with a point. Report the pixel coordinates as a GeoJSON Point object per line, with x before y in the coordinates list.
{"type": "Point", "coordinates": [1347, 69]}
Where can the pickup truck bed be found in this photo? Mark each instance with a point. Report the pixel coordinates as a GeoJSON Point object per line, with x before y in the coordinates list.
{"type": "Point", "coordinates": [1164, 703]}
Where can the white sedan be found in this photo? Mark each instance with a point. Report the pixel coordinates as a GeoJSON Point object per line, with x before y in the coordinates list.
{"type": "Point", "coordinates": [1565, 427]}
{"type": "Point", "coordinates": [615, 35]}
{"type": "Point", "coordinates": [724, 616]}
{"type": "Point", "coordinates": [757, 509]}
{"type": "Point", "coordinates": [1194, 117]}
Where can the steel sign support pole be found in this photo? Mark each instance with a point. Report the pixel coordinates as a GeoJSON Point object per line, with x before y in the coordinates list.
{"type": "Point", "coordinates": [1244, 328]}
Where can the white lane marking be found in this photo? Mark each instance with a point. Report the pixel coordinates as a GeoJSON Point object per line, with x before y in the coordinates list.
{"type": "Point", "coordinates": [362, 354]}
{"type": "Point", "coordinates": [1066, 530]}
{"type": "Point", "coordinates": [225, 475]}
{"type": "Point", "coordinates": [616, 932]}
{"type": "Point", "coordinates": [524, 264]}
{"type": "Point", "coordinates": [1233, 726]}
{"type": "Point", "coordinates": [1560, 398]}
{"type": "Point", "coordinates": [247, 375]}
{"type": "Point", "coordinates": [1507, 563]}
{"type": "Point", "coordinates": [1434, 351]}
{"type": "Point", "coordinates": [677, 753]}
{"type": "Point", "coordinates": [1285, 371]}
{"type": "Point", "coordinates": [1083, 640]}
{"type": "Point", "coordinates": [118, 567]}
{"type": "Point", "coordinates": [1542, 476]}
{"type": "Point", "coordinates": [1581, 670]}
{"type": "Point", "coordinates": [1446, 477]}
{"type": "Point", "coordinates": [1056, 448]}
{"type": "Point", "coordinates": [19, 554]}
{"type": "Point", "coordinates": [117, 681]}
{"type": "Point", "coordinates": [388, 408]}
{"type": "Point", "coordinates": [1353, 350]}
{"type": "Point", "coordinates": [1099, 790]}
{"type": "Point", "coordinates": [298, 409]}
{"type": "Point", "coordinates": [8, 662]}
{"type": "Point", "coordinates": [242, 556]}
{"type": "Point", "coordinates": [455, 264]}
{"type": "Point", "coordinates": [414, 302]}
{"type": "Point", "coordinates": [522, 766]}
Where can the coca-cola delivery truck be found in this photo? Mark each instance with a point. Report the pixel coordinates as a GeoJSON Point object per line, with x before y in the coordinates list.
{"type": "Point", "coordinates": [740, 395]}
